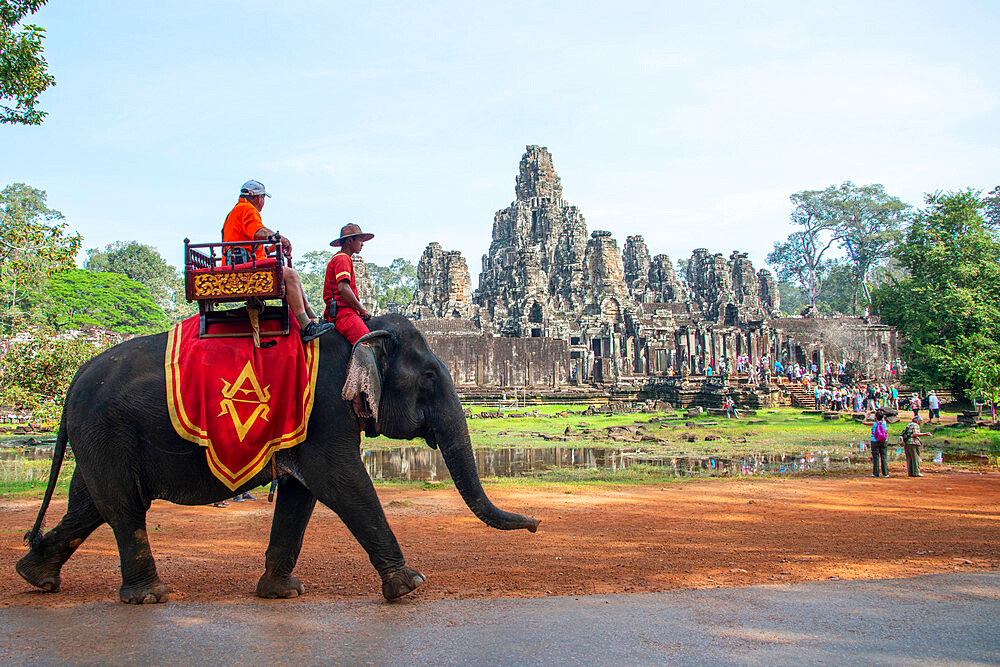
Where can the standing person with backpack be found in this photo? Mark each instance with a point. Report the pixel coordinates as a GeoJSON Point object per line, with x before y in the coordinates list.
{"type": "Point", "coordinates": [879, 444]}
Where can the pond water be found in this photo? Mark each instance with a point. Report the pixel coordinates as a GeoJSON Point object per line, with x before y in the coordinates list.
{"type": "Point", "coordinates": [421, 463]}
{"type": "Point", "coordinates": [425, 464]}
{"type": "Point", "coordinates": [30, 453]}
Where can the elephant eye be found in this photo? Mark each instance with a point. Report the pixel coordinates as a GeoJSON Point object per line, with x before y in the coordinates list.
{"type": "Point", "coordinates": [427, 379]}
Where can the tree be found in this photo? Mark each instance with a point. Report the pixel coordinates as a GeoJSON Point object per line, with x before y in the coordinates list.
{"type": "Point", "coordinates": [111, 300]}
{"type": "Point", "coordinates": [394, 284]}
{"type": "Point", "coordinates": [23, 70]}
{"type": "Point", "coordinates": [144, 264]}
{"type": "Point", "coordinates": [32, 245]}
{"type": "Point", "coordinates": [840, 291]}
{"type": "Point", "coordinates": [854, 346]}
{"type": "Point", "coordinates": [801, 256]}
{"type": "Point", "coordinates": [947, 307]}
{"type": "Point", "coordinates": [793, 298]}
{"type": "Point", "coordinates": [984, 382]}
{"type": "Point", "coordinates": [865, 222]}
{"type": "Point", "coordinates": [35, 373]}
{"type": "Point", "coordinates": [992, 207]}
{"type": "Point", "coordinates": [312, 273]}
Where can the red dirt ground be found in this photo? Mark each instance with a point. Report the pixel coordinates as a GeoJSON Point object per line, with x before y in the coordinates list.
{"type": "Point", "coordinates": [698, 534]}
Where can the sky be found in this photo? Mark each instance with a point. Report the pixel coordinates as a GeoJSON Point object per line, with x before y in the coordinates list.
{"type": "Point", "coordinates": [687, 123]}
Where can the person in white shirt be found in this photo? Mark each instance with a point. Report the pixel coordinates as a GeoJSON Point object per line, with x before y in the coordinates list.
{"type": "Point", "coordinates": [934, 406]}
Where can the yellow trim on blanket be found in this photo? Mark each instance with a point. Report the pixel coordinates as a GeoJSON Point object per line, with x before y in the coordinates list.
{"type": "Point", "coordinates": [191, 432]}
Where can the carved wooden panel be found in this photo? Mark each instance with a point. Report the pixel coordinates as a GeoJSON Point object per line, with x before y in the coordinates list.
{"type": "Point", "coordinates": [233, 284]}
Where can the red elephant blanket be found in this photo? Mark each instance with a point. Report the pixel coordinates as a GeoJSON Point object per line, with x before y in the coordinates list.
{"type": "Point", "coordinates": [241, 403]}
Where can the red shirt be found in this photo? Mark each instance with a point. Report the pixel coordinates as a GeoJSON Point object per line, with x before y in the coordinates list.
{"type": "Point", "coordinates": [341, 267]}
{"type": "Point", "coordinates": [242, 224]}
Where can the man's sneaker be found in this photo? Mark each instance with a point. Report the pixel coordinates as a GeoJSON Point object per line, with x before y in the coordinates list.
{"type": "Point", "coordinates": [315, 330]}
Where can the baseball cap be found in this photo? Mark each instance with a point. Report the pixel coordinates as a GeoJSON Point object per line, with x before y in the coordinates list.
{"type": "Point", "coordinates": [253, 189]}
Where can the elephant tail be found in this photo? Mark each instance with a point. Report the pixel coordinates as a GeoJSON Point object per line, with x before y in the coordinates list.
{"type": "Point", "coordinates": [33, 537]}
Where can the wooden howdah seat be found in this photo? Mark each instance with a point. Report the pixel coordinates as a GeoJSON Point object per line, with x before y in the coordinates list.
{"type": "Point", "coordinates": [211, 279]}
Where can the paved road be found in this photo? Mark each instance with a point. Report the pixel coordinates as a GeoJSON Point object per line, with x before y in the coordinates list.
{"type": "Point", "coordinates": [932, 619]}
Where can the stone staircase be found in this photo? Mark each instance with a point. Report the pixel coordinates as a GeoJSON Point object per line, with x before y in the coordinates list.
{"type": "Point", "coordinates": [801, 396]}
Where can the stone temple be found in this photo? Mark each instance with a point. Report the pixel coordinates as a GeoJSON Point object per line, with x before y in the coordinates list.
{"type": "Point", "coordinates": [558, 307]}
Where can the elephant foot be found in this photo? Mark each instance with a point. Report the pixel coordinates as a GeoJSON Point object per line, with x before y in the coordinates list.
{"type": "Point", "coordinates": [37, 572]}
{"type": "Point", "coordinates": [148, 594]}
{"type": "Point", "coordinates": [398, 583]}
{"type": "Point", "coordinates": [279, 588]}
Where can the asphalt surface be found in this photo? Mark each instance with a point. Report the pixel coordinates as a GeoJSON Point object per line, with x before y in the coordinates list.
{"type": "Point", "coordinates": [932, 619]}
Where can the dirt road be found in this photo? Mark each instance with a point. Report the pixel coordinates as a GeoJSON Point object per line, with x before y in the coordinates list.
{"type": "Point", "coordinates": [700, 534]}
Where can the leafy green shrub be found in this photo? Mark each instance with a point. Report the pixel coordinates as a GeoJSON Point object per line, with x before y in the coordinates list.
{"type": "Point", "coordinates": [35, 373]}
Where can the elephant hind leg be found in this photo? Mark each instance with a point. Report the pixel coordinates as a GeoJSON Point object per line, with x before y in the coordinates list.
{"type": "Point", "coordinates": [41, 565]}
{"type": "Point", "coordinates": [140, 582]}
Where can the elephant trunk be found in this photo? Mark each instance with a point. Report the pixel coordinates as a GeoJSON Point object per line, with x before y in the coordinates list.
{"type": "Point", "coordinates": [456, 448]}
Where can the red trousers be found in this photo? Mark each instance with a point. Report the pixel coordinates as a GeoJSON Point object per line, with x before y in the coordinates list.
{"type": "Point", "coordinates": [350, 324]}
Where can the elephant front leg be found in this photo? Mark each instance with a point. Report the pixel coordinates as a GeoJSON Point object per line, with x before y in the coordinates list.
{"type": "Point", "coordinates": [292, 510]}
{"type": "Point", "coordinates": [140, 582]}
{"type": "Point", "coordinates": [353, 498]}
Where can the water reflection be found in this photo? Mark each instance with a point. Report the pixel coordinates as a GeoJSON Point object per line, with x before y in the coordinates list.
{"type": "Point", "coordinates": [425, 464]}
{"type": "Point", "coordinates": [30, 453]}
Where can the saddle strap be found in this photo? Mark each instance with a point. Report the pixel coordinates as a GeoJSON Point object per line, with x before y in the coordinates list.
{"type": "Point", "coordinates": [254, 315]}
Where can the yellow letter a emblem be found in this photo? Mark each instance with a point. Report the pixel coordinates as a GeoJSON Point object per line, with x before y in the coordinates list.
{"type": "Point", "coordinates": [260, 399]}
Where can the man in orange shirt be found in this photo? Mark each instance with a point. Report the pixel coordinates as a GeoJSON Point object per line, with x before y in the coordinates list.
{"type": "Point", "coordinates": [244, 224]}
{"type": "Point", "coordinates": [339, 289]}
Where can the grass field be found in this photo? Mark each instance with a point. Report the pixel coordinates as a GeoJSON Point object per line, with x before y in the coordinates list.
{"type": "Point", "coordinates": [782, 431]}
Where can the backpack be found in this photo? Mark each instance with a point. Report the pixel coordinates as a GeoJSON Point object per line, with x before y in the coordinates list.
{"type": "Point", "coordinates": [878, 430]}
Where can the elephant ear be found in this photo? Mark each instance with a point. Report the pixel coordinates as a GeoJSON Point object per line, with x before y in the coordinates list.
{"type": "Point", "coordinates": [363, 386]}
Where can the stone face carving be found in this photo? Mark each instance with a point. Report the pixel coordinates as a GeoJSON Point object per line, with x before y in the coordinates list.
{"type": "Point", "coordinates": [365, 285]}
{"type": "Point", "coordinates": [620, 313]}
{"type": "Point", "coordinates": [746, 292]}
{"type": "Point", "coordinates": [535, 261]}
{"type": "Point", "coordinates": [767, 293]}
{"type": "Point", "coordinates": [710, 280]}
{"type": "Point", "coordinates": [604, 275]}
{"type": "Point", "coordinates": [537, 177]}
{"type": "Point", "coordinates": [443, 286]}
{"type": "Point", "coordinates": [636, 263]}
{"type": "Point", "coordinates": [662, 283]}
{"type": "Point", "coordinates": [541, 270]}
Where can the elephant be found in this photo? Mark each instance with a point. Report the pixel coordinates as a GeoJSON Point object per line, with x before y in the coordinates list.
{"type": "Point", "coordinates": [127, 454]}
